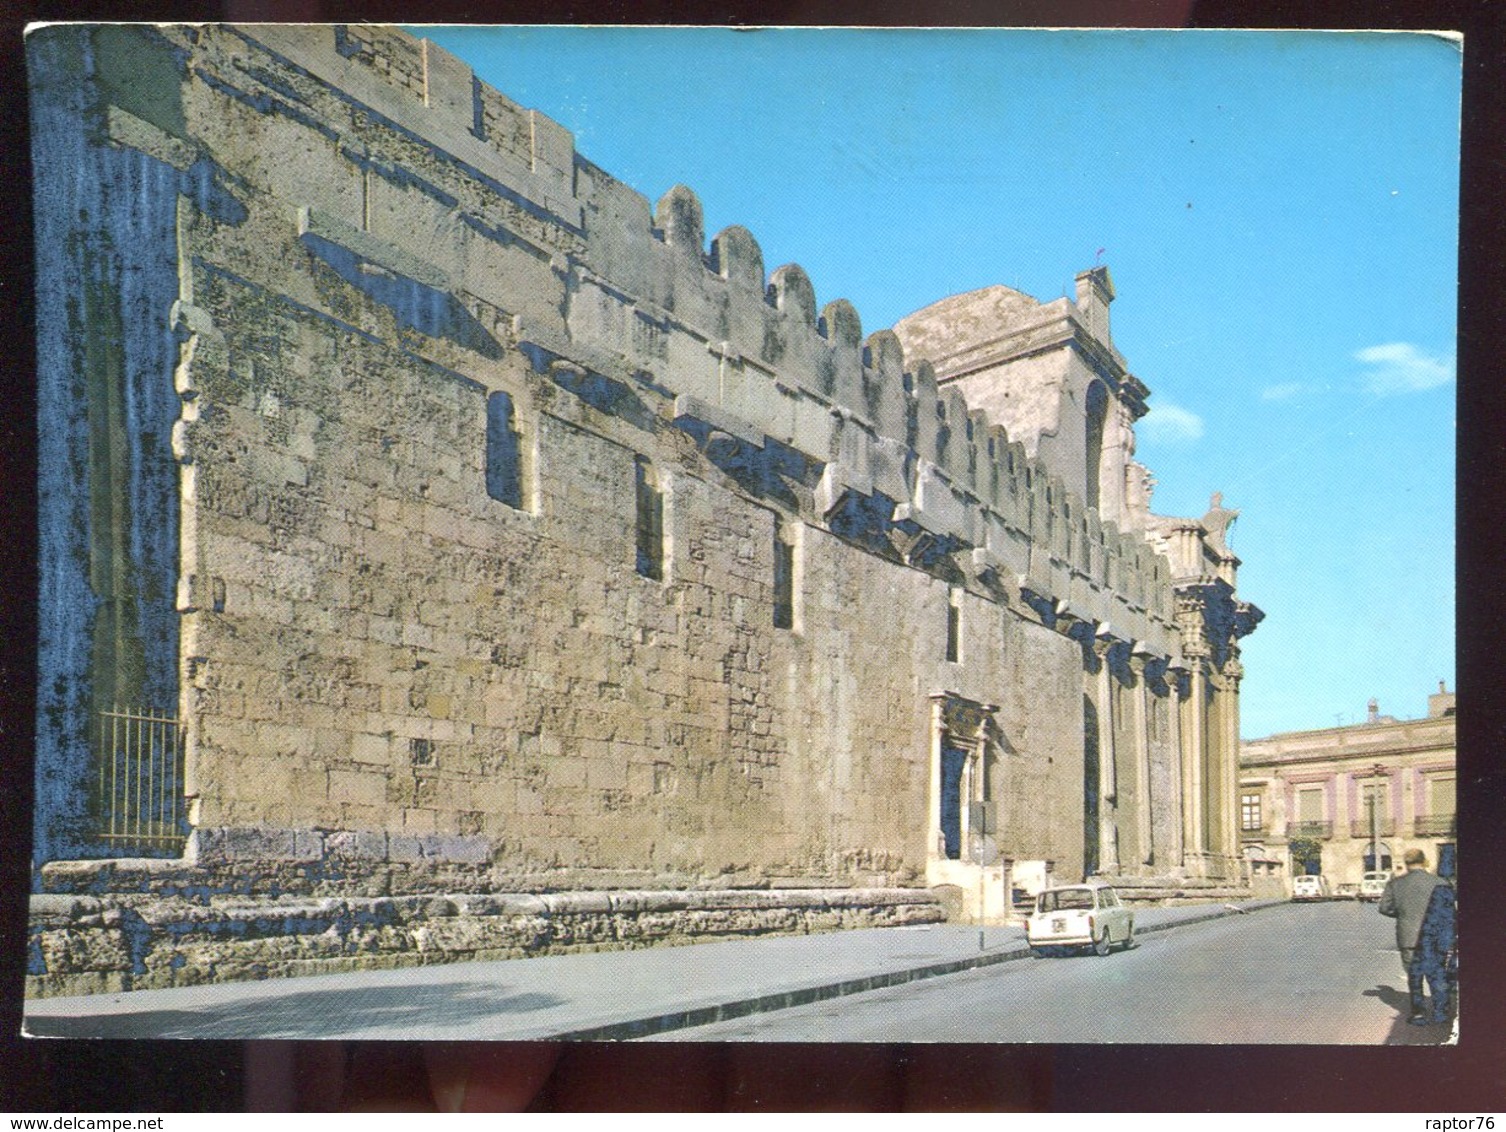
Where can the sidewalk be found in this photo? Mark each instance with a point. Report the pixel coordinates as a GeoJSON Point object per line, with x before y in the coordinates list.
{"type": "Point", "coordinates": [610, 995]}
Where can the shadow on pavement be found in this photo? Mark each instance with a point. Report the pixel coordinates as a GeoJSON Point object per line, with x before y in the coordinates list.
{"type": "Point", "coordinates": [302, 1014]}
{"type": "Point", "coordinates": [1403, 1033]}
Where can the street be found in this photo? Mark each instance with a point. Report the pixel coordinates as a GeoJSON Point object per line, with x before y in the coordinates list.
{"type": "Point", "coordinates": [1322, 973]}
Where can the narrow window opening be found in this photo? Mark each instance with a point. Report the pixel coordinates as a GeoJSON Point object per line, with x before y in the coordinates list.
{"type": "Point", "coordinates": [504, 465]}
{"type": "Point", "coordinates": [954, 627]}
{"type": "Point", "coordinates": [650, 550]}
{"type": "Point", "coordinates": [784, 583]}
{"type": "Point", "coordinates": [421, 752]}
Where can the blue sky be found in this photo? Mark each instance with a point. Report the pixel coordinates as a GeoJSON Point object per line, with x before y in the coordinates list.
{"type": "Point", "coordinates": [1279, 211]}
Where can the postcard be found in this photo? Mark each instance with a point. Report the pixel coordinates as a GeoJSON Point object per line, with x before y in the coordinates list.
{"type": "Point", "coordinates": [848, 535]}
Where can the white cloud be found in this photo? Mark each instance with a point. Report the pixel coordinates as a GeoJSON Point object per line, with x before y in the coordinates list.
{"type": "Point", "coordinates": [1283, 392]}
{"type": "Point", "coordinates": [1171, 424]}
{"type": "Point", "coordinates": [1400, 367]}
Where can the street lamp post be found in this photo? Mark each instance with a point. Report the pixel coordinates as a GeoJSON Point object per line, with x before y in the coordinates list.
{"type": "Point", "coordinates": [1375, 780]}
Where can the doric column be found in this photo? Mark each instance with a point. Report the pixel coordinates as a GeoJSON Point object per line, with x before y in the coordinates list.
{"type": "Point", "coordinates": [1108, 774]}
{"type": "Point", "coordinates": [1174, 678]}
{"type": "Point", "coordinates": [1144, 828]}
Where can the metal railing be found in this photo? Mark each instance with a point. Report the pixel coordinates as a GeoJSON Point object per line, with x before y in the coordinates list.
{"type": "Point", "coordinates": [1384, 827]}
{"type": "Point", "coordinates": [1323, 829]}
{"type": "Point", "coordinates": [1433, 825]}
{"type": "Point", "coordinates": [140, 799]}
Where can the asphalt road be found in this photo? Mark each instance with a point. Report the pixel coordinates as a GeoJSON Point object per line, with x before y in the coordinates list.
{"type": "Point", "coordinates": [1324, 973]}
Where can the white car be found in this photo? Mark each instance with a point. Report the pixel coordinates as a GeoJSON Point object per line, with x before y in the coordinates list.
{"type": "Point", "coordinates": [1079, 915]}
{"type": "Point", "coordinates": [1373, 885]}
{"type": "Point", "coordinates": [1309, 888]}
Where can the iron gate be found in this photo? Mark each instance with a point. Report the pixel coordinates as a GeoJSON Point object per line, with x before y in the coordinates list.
{"type": "Point", "coordinates": [141, 779]}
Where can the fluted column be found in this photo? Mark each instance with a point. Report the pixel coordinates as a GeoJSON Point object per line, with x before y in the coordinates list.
{"type": "Point", "coordinates": [1229, 755]}
{"type": "Point", "coordinates": [1196, 753]}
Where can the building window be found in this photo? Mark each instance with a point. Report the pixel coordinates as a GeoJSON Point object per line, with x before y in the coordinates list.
{"type": "Point", "coordinates": [650, 548]}
{"type": "Point", "coordinates": [1310, 804]}
{"type": "Point", "coordinates": [1436, 807]}
{"type": "Point", "coordinates": [1441, 795]}
{"type": "Point", "coordinates": [784, 584]}
{"type": "Point", "coordinates": [1309, 814]}
{"type": "Point", "coordinates": [954, 626]}
{"type": "Point", "coordinates": [1249, 811]}
{"type": "Point", "coordinates": [504, 466]}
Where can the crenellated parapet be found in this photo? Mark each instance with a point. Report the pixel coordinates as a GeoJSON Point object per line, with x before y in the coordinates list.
{"type": "Point", "coordinates": [482, 209]}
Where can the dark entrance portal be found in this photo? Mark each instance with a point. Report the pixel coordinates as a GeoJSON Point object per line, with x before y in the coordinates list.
{"type": "Point", "coordinates": [952, 760]}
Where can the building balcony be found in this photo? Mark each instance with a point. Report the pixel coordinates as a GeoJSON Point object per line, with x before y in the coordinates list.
{"type": "Point", "coordinates": [1319, 829]}
{"type": "Point", "coordinates": [1384, 827]}
{"type": "Point", "coordinates": [1255, 832]}
{"type": "Point", "coordinates": [1433, 825]}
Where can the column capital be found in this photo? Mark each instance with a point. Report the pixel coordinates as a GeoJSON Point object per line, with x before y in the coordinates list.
{"type": "Point", "coordinates": [1105, 640]}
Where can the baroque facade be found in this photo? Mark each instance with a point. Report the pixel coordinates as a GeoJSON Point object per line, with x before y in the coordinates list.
{"type": "Point", "coordinates": [425, 511]}
{"type": "Point", "coordinates": [1343, 801]}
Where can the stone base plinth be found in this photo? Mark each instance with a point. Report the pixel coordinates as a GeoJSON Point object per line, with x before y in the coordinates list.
{"type": "Point", "coordinates": [83, 944]}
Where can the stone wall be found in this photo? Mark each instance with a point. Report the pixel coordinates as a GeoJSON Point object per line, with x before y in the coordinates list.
{"type": "Point", "coordinates": [441, 380]}
{"type": "Point", "coordinates": [86, 944]}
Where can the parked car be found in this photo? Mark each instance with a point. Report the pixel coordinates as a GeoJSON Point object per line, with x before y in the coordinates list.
{"type": "Point", "coordinates": [1079, 916]}
{"type": "Point", "coordinates": [1373, 884]}
{"type": "Point", "coordinates": [1309, 888]}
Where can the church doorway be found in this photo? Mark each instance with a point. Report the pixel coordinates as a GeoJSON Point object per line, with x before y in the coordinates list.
{"type": "Point", "coordinates": [953, 761]}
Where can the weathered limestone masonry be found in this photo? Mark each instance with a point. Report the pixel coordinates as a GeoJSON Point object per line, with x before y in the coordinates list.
{"type": "Point", "coordinates": [521, 573]}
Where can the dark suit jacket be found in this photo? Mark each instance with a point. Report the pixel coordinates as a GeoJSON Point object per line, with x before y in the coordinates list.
{"type": "Point", "coordinates": [1406, 900]}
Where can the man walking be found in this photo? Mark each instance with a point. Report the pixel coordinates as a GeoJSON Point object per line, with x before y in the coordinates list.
{"type": "Point", "coordinates": [1406, 901]}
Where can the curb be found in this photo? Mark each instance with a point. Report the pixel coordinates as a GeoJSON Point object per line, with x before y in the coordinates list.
{"type": "Point", "coordinates": [782, 1000]}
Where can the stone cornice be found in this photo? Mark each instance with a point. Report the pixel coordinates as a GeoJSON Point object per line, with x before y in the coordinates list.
{"type": "Point", "coordinates": [1364, 730]}
{"type": "Point", "coordinates": [1340, 755]}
